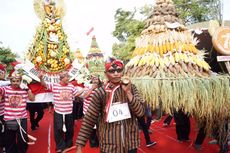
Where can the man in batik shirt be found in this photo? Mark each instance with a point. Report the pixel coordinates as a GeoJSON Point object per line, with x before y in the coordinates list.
{"type": "Point", "coordinates": [115, 107]}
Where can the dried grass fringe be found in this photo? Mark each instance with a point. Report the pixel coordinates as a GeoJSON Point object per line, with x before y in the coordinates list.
{"type": "Point", "coordinates": [207, 99]}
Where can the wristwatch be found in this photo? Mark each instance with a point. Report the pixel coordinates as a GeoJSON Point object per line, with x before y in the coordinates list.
{"type": "Point", "coordinates": [27, 89]}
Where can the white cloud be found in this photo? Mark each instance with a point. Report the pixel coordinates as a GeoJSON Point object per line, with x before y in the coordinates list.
{"type": "Point", "coordinates": [19, 22]}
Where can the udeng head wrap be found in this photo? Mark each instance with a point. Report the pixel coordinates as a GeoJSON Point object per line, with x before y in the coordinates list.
{"type": "Point", "coordinates": [112, 62]}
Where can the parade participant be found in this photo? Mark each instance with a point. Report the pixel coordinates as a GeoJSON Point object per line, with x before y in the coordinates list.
{"type": "Point", "coordinates": [149, 117]}
{"type": "Point", "coordinates": [182, 125]}
{"type": "Point", "coordinates": [95, 83]}
{"type": "Point", "coordinates": [36, 108]}
{"type": "Point", "coordinates": [3, 82]}
{"type": "Point", "coordinates": [78, 102]}
{"type": "Point", "coordinates": [114, 107]}
{"type": "Point", "coordinates": [144, 127]}
{"type": "Point", "coordinates": [218, 133]}
{"type": "Point", "coordinates": [200, 137]}
{"type": "Point", "coordinates": [15, 116]}
{"type": "Point", "coordinates": [63, 94]}
{"type": "Point", "coordinates": [145, 123]}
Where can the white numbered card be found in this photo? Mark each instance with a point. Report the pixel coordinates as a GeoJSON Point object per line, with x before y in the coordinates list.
{"type": "Point", "coordinates": [118, 112]}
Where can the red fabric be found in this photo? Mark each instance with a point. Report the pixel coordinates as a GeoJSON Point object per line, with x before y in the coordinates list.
{"type": "Point", "coordinates": [110, 100]}
{"type": "Point", "coordinates": [2, 68]}
{"type": "Point", "coordinates": [119, 63]}
{"type": "Point", "coordinates": [14, 74]}
{"type": "Point", "coordinates": [13, 64]}
{"type": "Point", "coordinates": [37, 88]}
{"type": "Point", "coordinates": [75, 83]}
{"type": "Point", "coordinates": [87, 65]}
{"type": "Point", "coordinates": [11, 72]}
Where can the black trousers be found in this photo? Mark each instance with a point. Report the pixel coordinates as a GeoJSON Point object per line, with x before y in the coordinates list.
{"type": "Point", "coordinates": [63, 139]}
{"type": "Point", "coordinates": [202, 133]}
{"type": "Point", "coordinates": [1, 133]}
{"type": "Point", "coordinates": [33, 108]}
{"type": "Point", "coordinates": [148, 114]}
{"type": "Point", "coordinates": [182, 125]}
{"type": "Point", "coordinates": [13, 140]}
{"type": "Point", "coordinates": [78, 108]}
{"type": "Point", "coordinates": [200, 136]}
{"type": "Point", "coordinates": [222, 133]}
{"type": "Point", "coordinates": [93, 140]}
{"type": "Point", "coordinates": [148, 122]}
{"type": "Point", "coordinates": [168, 119]}
{"type": "Point", "coordinates": [144, 127]}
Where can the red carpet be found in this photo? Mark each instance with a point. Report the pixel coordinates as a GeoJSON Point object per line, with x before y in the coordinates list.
{"type": "Point", "coordinates": [165, 138]}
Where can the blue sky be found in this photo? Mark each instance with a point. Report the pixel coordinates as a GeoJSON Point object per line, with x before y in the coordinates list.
{"type": "Point", "coordinates": [18, 22]}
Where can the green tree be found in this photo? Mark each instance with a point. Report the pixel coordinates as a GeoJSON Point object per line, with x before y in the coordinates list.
{"type": "Point", "coordinates": [126, 30]}
{"type": "Point", "coordinates": [6, 56]}
{"type": "Point", "coordinates": [193, 11]}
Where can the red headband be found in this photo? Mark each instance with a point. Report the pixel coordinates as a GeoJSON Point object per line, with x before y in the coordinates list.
{"type": "Point", "coordinates": [2, 68]}
{"type": "Point", "coordinates": [14, 74]}
{"type": "Point", "coordinates": [118, 63]}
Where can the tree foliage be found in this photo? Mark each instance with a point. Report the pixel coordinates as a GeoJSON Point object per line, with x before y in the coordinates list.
{"type": "Point", "coordinates": [124, 50]}
{"type": "Point", "coordinates": [7, 56]}
{"type": "Point", "coordinates": [193, 11]}
{"type": "Point", "coordinates": [128, 28]}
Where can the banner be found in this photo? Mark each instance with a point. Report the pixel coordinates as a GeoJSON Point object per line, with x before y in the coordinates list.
{"type": "Point", "coordinates": [43, 98]}
{"type": "Point", "coordinates": [31, 71]}
{"type": "Point", "coordinates": [34, 73]}
{"type": "Point", "coordinates": [75, 69]}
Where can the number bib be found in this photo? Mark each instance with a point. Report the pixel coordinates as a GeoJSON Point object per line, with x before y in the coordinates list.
{"type": "Point", "coordinates": [118, 112]}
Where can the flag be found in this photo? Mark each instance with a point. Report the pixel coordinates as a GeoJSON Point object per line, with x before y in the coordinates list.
{"type": "Point", "coordinates": [90, 31]}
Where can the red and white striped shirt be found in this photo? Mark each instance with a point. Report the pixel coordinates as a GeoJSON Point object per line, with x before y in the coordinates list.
{"type": "Point", "coordinates": [3, 83]}
{"type": "Point", "coordinates": [63, 97]}
{"type": "Point", "coordinates": [86, 102]}
{"type": "Point", "coordinates": [1, 107]}
{"type": "Point", "coordinates": [15, 103]}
